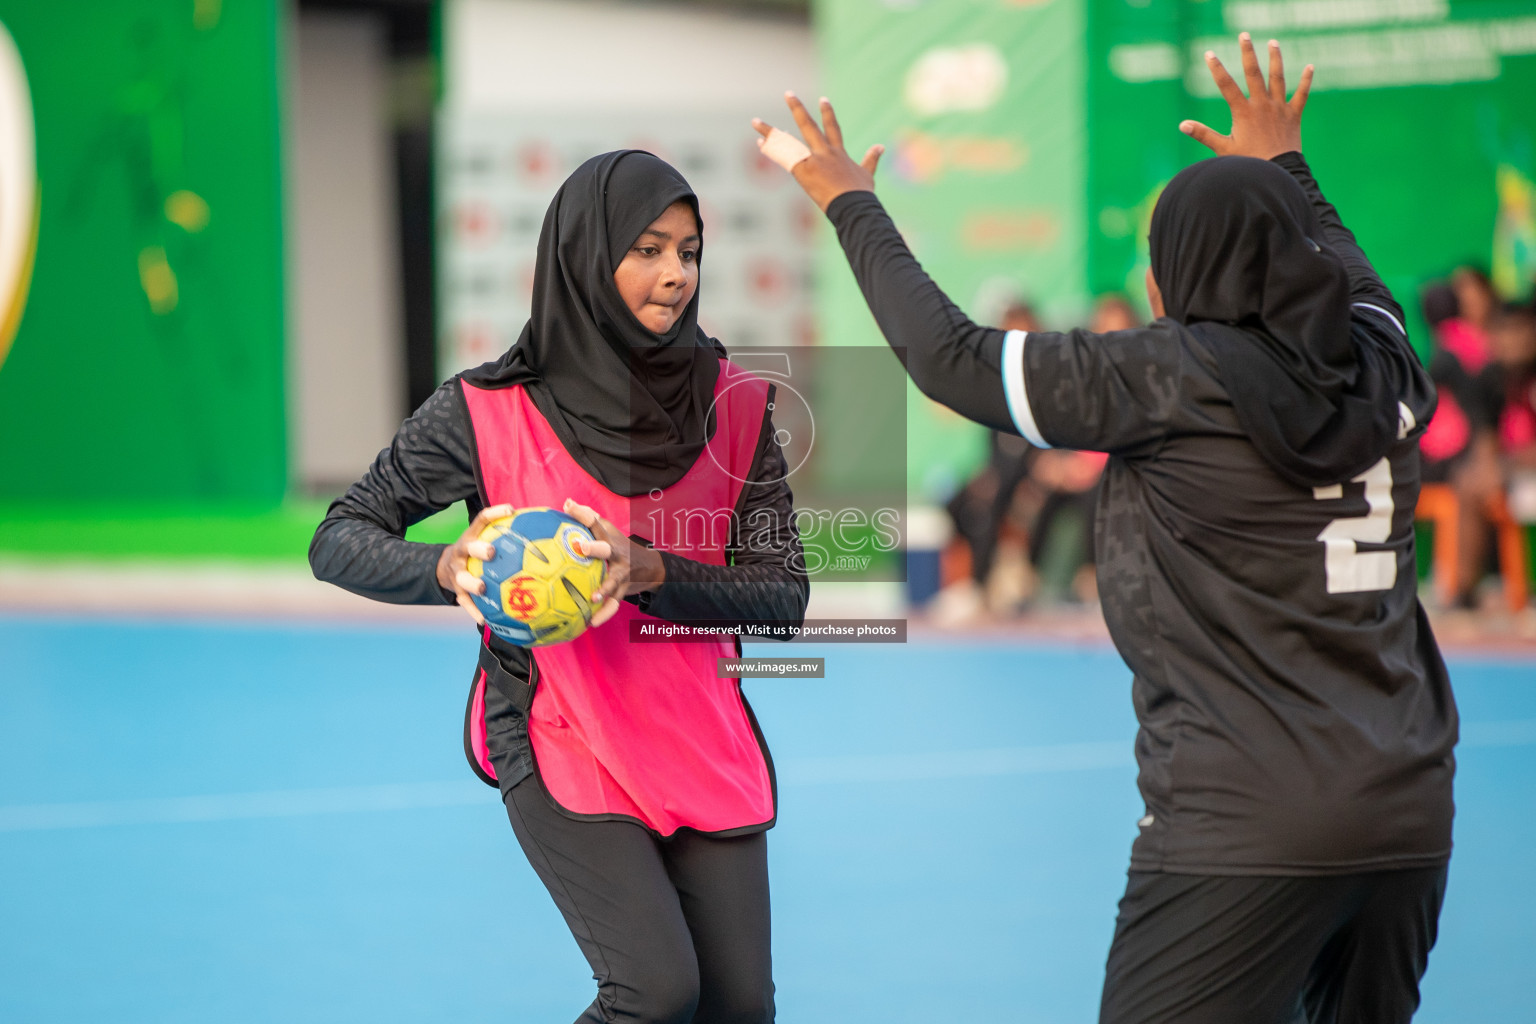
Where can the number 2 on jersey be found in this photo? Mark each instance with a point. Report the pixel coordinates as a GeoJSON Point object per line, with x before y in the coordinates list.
{"type": "Point", "coordinates": [1350, 570]}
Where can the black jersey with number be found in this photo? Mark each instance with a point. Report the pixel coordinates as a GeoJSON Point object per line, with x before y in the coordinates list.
{"type": "Point", "coordinates": [1295, 713]}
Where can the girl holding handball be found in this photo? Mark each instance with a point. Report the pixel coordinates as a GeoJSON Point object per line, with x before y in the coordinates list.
{"type": "Point", "coordinates": [637, 782]}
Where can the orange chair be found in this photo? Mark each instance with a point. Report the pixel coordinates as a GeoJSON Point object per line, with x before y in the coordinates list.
{"type": "Point", "coordinates": [954, 562]}
{"type": "Point", "coordinates": [1439, 505]}
{"type": "Point", "coordinates": [1513, 563]}
{"type": "Point", "coordinates": [956, 558]}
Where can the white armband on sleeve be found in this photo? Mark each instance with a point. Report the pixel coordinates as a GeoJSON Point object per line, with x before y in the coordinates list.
{"type": "Point", "coordinates": [1015, 391]}
{"type": "Point", "coordinates": [1377, 309]}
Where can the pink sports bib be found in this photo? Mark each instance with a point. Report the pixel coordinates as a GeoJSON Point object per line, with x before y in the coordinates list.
{"type": "Point", "coordinates": [638, 730]}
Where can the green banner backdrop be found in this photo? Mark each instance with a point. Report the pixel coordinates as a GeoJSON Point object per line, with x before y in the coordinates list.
{"type": "Point", "coordinates": [1420, 127]}
{"type": "Point", "coordinates": [148, 363]}
{"type": "Point", "coordinates": [980, 105]}
{"type": "Point", "coordinates": [1029, 140]}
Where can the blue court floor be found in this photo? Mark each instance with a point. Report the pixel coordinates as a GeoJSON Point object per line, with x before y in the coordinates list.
{"type": "Point", "coordinates": [201, 822]}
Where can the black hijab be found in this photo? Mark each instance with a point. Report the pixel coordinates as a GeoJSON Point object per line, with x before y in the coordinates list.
{"type": "Point", "coordinates": [1237, 253]}
{"type": "Point", "coordinates": [633, 407]}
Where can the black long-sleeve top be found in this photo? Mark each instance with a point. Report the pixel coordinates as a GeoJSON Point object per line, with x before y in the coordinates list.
{"type": "Point", "coordinates": [957, 362]}
{"type": "Point", "coordinates": [430, 464]}
{"type": "Point", "coordinates": [1295, 714]}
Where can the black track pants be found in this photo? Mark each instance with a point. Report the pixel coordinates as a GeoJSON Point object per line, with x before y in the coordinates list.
{"type": "Point", "coordinates": [676, 930]}
{"type": "Point", "coordinates": [1204, 949]}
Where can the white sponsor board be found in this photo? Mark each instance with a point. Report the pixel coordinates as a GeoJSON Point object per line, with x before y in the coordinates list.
{"type": "Point", "coordinates": [498, 172]}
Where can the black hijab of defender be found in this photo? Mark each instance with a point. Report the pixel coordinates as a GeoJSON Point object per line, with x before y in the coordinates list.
{"type": "Point", "coordinates": [1237, 253]}
{"type": "Point", "coordinates": [633, 407]}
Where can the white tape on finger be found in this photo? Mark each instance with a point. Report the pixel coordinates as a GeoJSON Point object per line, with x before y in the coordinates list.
{"type": "Point", "coordinates": [783, 149]}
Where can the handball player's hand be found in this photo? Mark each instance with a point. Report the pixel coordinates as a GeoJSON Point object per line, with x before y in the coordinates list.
{"type": "Point", "coordinates": [1264, 123]}
{"type": "Point", "coordinates": [631, 568]}
{"type": "Point", "coordinates": [453, 564]}
{"type": "Point", "coordinates": [824, 170]}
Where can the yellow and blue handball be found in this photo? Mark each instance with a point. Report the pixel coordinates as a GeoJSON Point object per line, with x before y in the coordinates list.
{"type": "Point", "coordinates": [539, 584]}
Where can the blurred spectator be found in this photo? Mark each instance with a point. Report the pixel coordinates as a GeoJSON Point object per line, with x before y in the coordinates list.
{"type": "Point", "coordinates": [1113, 312]}
{"type": "Point", "coordinates": [1048, 496]}
{"type": "Point", "coordinates": [1499, 483]}
{"type": "Point", "coordinates": [1458, 354]}
{"type": "Point", "coordinates": [1020, 316]}
{"type": "Point", "coordinates": [1068, 482]}
{"type": "Point", "coordinates": [1476, 301]}
{"type": "Point", "coordinates": [1509, 383]}
{"type": "Point", "coordinates": [981, 507]}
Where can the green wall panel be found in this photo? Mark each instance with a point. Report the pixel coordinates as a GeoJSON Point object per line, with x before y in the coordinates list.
{"type": "Point", "coordinates": [149, 360]}
{"type": "Point", "coordinates": [1420, 110]}
{"type": "Point", "coordinates": [981, 107]}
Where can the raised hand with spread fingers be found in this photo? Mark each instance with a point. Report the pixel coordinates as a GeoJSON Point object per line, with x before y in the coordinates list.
{"type": "Point", "coordinates": [820, 164]}
{"type": "Point", "coordinates": [1264, 123]}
